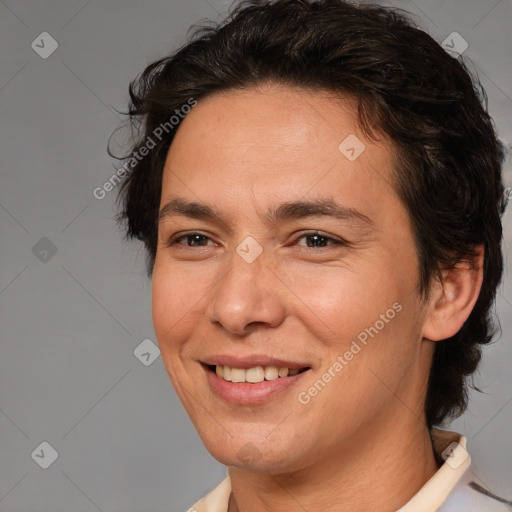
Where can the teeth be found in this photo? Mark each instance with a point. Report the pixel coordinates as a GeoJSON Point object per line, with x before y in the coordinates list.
{"type": "Point", "coordinates": [271, 373]}
{"type": "Point", "coordinates": [253, 375]}
{"type": "Point", "coordinates": [283, 372]}
{"type": "Point", "coordinates": [237, 375]}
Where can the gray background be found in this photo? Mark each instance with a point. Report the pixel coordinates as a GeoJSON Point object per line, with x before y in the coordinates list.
{"type": "Point", "coordinates": [70, 321]}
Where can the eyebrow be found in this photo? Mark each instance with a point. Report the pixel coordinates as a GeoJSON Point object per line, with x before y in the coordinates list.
{"type": "Point", "coordinates": [286, 211]}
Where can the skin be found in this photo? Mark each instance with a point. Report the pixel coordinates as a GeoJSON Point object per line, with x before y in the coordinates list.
{"type": "Point", "coordinates": [350, 447]}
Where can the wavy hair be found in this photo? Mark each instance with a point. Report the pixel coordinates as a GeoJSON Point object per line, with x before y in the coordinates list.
{"type": "Point", "coordinates": [447, 157]}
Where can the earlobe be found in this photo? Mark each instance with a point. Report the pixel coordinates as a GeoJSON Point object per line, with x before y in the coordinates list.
{"type": "Point", "coordinates": [452, 300]}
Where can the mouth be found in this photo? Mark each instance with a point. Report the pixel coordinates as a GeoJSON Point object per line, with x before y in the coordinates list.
{"type": "Point", "coordinates": [254, 375]}
{"type": "Point", "coordinates": [252, 385]}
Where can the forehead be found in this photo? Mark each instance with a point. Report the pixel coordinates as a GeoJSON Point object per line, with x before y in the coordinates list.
{"type": "Point", "coordinates": [276, 143]}
{"type": "Point", "coordinates": [283, 119]}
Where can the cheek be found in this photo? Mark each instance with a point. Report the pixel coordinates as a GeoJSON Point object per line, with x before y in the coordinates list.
{"type": "Point", "coordinates": [162, 303]}
{"type": "Point", "coordinates": [172, 303]}
{"type": "Point", "coordinates": [342, 300]}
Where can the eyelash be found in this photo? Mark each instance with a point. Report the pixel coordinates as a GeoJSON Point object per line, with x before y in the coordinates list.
{"type": "Point", "coordinates": [175, 239]}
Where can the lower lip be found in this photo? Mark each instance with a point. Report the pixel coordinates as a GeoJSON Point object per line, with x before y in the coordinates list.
{"type": "Point", "coordinates": [243, 393]}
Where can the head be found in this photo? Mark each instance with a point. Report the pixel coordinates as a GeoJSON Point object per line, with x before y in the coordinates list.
{"type": "Point", "coordinates": [284, 112]}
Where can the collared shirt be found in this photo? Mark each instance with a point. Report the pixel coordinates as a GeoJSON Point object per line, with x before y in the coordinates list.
{"type": "Point", "coordinates": [448, 490]}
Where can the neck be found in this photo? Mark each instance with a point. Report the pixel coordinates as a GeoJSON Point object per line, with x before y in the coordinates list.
{"type": "Point", "coordinates": [379, 468]}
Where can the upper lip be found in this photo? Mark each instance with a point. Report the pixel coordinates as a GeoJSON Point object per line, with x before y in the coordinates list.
{"type": "Point", "coordinates": [252, 361]}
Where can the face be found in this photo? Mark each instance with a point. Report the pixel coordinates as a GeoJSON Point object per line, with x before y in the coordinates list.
{"type": "Point", "coordinates": [296, 256]}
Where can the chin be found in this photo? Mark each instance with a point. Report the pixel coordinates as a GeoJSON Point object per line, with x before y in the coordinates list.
{"type": "Point", "coordinates": [253, 455]}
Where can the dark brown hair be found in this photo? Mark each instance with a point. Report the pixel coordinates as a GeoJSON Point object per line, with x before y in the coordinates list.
{"type": "Point", "coordinates": [447, 156]}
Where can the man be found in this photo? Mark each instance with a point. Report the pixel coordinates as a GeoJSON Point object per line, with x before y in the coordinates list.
{"type": "Point", "coordinates": [320, 203]}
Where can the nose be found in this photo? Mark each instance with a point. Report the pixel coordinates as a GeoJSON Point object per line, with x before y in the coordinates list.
{"type": "Point", "coordinates": [247, 296]}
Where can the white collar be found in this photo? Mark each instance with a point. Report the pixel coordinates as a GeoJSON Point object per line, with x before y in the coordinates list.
{"type": "Point", "coordinates": [448, 445]}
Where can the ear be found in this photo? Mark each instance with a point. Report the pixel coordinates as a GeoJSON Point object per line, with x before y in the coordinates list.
{"type": "Point", "coordinates": [452, 300]}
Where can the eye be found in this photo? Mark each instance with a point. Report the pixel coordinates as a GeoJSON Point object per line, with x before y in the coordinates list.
{"type": "Point", "coordinates": [314, 240]}
{"type": "Point", "coordinates": [319, 240]}
{"type": "Point", "coordinates": [193, 239]}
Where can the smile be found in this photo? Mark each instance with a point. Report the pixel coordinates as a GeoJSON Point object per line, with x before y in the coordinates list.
{"type": "Point", "coordinates": [255, 384]}
{"type": "Point", "coordinates": [255, 374]}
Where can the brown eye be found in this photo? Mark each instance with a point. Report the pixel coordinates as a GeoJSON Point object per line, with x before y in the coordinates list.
{"type": "Point", "coordinates": [192, 240]}
{"type": "Point", "coordinates": [319, 240]}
